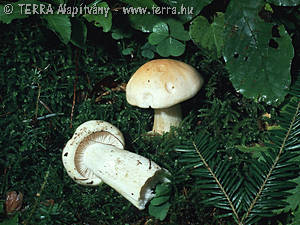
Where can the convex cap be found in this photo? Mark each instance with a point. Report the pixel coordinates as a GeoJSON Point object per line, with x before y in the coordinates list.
{"type": "Point", "coordinates": [162, 83]}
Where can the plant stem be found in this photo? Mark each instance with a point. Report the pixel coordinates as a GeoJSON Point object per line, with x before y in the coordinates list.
{"type": "Point", "coordinates": [37, 200]}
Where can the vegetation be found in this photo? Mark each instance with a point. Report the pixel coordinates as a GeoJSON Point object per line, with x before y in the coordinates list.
{"type": "Point", "coordinates": [235, 157]}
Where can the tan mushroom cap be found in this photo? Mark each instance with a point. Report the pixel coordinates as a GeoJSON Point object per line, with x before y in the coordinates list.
{"type": "Point", "coordinates": [162, 83]}
{"type": "Point", "coordinates": [87, 133]}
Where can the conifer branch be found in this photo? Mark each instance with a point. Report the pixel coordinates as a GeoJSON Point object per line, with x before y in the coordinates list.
{"type": "Point", "coordinates": [218, 182]}
{"type": "Point", "coordinates": [258, 195]}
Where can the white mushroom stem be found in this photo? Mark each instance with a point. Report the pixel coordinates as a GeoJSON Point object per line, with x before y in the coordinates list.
{"type": "Point", "coordinates": [165, 118]}
{"type": "Point", "coordinates": [132, 175]}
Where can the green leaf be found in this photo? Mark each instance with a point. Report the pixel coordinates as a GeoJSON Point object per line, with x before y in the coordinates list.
{"type": "Point", "coordinates": [140, 3]}
{"type": "Point", "coordinates": [61, 25]}
{"type": "Point", "coordinates": [15, 11]}
{"type": "Point", "coordinates": [160, 32]}
{"type": "Point", "coordinates": [170, 46]}
{"type": "Point", "coordinates": [209, 36]}
{"type": "Point", "coordinates": [162, 189]}
{"type": "Point", "coordinates": [187, 10]}
{"type": "Point", "coordinates": [148, 50]}
{"type": "Point", "coordinates": [79, 32]}
{"type": "Point", "coordinates": [268, 8]}
{"type": "Point", "coordinates": [285, 2]}
{"type": "Point", "coordinates": [100, 20]}
{"type": "Point", "coordinates": [127, 51]}
{"type": "Point", "coordinates": [161, 28]}
{"type": "Point", "coordinates": [147, 53]}
{"type": "Point", "coordinates": [144, 23]}
{"type": "Point", "coordinates": [118, 34]}
{"type": "Point", "coordinates": [259, 64]}
{"type": "Point", "coordinates": [177, 30]}
{"type": "Point", "coordinates": [159, 200]}
{"type": "Point", "coordinates": [159, 212]}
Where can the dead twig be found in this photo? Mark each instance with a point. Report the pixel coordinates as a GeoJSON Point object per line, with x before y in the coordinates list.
{"type": "Point", "coordinates": [74, 86]}
{"type": "Point", "coordinates": [46, 107]}
{"type": "Point", "coordinates": [121, 87]}
{"type": "Point", "coordinates": [43, 117]}
{"type": "Point", "coordinates": [37, 100]}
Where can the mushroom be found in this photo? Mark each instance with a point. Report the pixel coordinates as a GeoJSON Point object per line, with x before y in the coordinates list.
{"type": "Point", "coordinates": [95, 154]}
{"type": "Point", "coordinates": [90, 131]}
{"type": "Point", "coordinates": [162, 84]}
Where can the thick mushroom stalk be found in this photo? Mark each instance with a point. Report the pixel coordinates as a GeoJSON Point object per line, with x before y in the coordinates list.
{"type": "Point", "coordinates": [132, 175]}
{"type": "Point", "coordinates": [95, 155]}
{"type": "Point", "coordinates": [166, 118]}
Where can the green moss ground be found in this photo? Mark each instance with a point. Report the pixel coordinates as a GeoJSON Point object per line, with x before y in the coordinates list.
{"type": "Point", "coordinates": [37, 78]}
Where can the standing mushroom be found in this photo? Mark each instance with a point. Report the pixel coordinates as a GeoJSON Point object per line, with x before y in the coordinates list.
{"type": "Point", "coordinates": [162, 84]}
{"type": "Point", "coordinates": [95, 154]}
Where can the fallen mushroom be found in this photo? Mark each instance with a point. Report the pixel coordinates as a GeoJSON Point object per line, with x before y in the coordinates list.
{"type": "Point", "coordinates": [162, 84]}
{"type": "Point", "coordinates": [90, 159]}
{"type": "Point", "coordinates": [96, 131]}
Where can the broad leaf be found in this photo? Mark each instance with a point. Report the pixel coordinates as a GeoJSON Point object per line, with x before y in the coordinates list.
{"type": "Point", "coordinates": [186, 10]}
{"type": "Point", "coordinates": [148, 50]}
{"type": "Point", "coordinates": [79, 32]}
{"type": "Point", "coordinates": [162, 190]}
{"type": "Point", "coordinates": [159, 212]}
{"type": "Point", "coordinates": [160, 200]}
{"type": "Point", "coordinates": [101, 20]}
{"type": "Point", "coordinates": [160, 32]}
{"type": "Point", "coordinates": [285, 2]}
{"type": "Point", "coordinates": [61, 25]}
{"type": "Point", "coordinates": [118, 34]}
{"type": "Point", "coordinates": [127, 51]}
{"type": "Point", "coordinates": [177, 30]}
{"type": "Point", "coordinates": [147, 53]}
{"type": "Point", "coordinates": [209, 36]}
{"type": "Point", "coordinates": [170, 46]}
{"type": "Point", "coordinates": [11, 11]}
{"type": "Point", "coordinates": [259, 64]}
{"type": "Point", "coordinates": [144, 23]}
